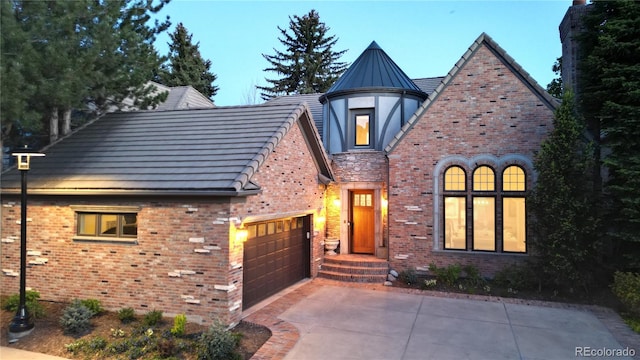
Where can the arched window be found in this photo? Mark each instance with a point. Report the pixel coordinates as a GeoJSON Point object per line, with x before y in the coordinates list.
{"type": "Point", "coordinates": [497, 210]}
{"type": "Point", "coordinates": [514, 224]}
{"type": "Point", "coordinates": [455, 208]}
{"type": "Point", "coordinates": [484, 209]}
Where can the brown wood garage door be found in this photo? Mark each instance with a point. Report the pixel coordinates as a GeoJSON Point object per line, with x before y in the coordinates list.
{"type": "Point", "coordinates": [276, 255]}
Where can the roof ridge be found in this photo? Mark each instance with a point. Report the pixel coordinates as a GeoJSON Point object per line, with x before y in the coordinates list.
{"type": "Point", "coordinates": [493, 46]}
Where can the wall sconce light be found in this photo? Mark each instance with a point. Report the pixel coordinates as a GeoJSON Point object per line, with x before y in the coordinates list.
{"type": "Point", "coordinates": [336, 202]}
{"type": "Point", "coordinates": [385, 203]}
{"type": "Point", "coordinates": [241, 235]}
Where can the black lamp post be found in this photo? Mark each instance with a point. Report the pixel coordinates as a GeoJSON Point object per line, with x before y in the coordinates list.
{"type": "Point", "coordinates": [22, 323]}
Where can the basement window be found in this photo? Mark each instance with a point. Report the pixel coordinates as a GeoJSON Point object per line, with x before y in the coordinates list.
{"type": "Point", "coordinates": [110, 224]}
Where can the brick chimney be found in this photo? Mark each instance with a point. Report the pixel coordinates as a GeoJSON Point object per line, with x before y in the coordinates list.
{"type": "Point", "coordinates": [579, 2]}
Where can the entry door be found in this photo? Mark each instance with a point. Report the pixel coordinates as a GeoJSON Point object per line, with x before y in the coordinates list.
{"type": "Point", "coordinates": [362, 222]}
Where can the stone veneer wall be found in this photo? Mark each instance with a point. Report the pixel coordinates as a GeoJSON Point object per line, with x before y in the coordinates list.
{"type": "Point", "coordinates": [178, 265]}
{"type": "Point", "coordinates": [357, 169]}
{"type": "Point", "coordinates": [485, 110]}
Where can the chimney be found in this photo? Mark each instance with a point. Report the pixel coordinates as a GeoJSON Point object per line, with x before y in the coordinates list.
{"type": "Point", "coordinates": [579, 2]}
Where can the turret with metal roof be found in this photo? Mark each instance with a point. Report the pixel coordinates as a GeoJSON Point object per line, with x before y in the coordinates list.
{"type": "Point", "coordinates": [369, 103]}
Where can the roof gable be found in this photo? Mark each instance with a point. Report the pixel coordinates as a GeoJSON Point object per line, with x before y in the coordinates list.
{"type": "Point", "coordinates": [208, 151]}
{"type": "Point", "coordinates": [486, 41]}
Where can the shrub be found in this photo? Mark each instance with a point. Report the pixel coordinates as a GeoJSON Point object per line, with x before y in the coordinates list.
{"type": "Point", "coordinates": [76, 318]}
{"type": "Point", "coordinates": [408, 276]}
{"type": "Point", "coordinates": [179, 325]}
{"type": "Point", "coordinates": [626, 287]}
{"type": "Point", "coordinates": [31, 297]}
{"type": "Point", "coordinates": [218, 343]}
{"type": "Point", "coordinates": [152, 318]}
{"type": "Point", "coordinates": [472, 276]}
{"type": "Point", "coordinates": [96, 344]}
{"type": "Point", "coordinates": [515, 277]}
{"type": "Point", "coordinates": [126, 315]}
{"type": "Point", "coordinates": [94, 305]}
{"type": "Point", "coordinates": [447, 275]}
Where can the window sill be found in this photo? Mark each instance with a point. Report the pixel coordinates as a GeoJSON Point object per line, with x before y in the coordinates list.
{"type": "Point", "coordinates": [474, 253]}
{"type": "Point", "coordinates": [115, 240]}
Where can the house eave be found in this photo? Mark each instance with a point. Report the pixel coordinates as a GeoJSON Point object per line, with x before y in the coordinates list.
{"type": "Point", "coordinates": [135, 192]}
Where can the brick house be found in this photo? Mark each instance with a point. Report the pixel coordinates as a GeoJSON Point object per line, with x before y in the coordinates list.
{"type": "Point", "coordinates": [172, 210]}
{"type": "Point", "coordinates": [210, 211]}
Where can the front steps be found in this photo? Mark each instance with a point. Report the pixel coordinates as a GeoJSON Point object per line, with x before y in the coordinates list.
{"type": "Point", "coordinates": [354, 268]}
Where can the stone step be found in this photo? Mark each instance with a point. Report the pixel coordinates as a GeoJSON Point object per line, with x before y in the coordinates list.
{"type": "Point", "coordinates": [347, 261]}
{"type": "Point", "coordinates": [381, 269]}
{"type": "Point", "coordinates": [351, 277]}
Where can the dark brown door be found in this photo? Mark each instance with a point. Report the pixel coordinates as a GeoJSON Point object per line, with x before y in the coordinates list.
{"type": "Point", "coordinates": [362, 222]}
{"type": "Point", "coordinates": [276, 256]}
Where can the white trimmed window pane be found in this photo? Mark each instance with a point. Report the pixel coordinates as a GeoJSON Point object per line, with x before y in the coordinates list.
{"type": "Point", "coordinates": [514, 232]}
{"type": "Point", "coordinates": [484, 224]}
{"type": "Point", "coordinates": [455, 233]}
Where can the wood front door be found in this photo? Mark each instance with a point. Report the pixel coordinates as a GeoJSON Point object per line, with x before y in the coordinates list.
{"type": "Point", "coordinates": [362, 222]}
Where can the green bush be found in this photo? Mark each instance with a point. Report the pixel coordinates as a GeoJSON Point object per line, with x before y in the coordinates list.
{"type": "Point", "coordinates": [447, 275]}
{"type": "Point", "coordinates": [31, 297]}
{"type": "Point", "coordinates": [472, 276]}
{"type": "Point", "coordinates": [626, 287]}
{"type": "Point", "coordinates": [218, 343]}
{"type": "Point", "coordinates": [76, 318]}
{"type": "Point", "coordinates": [94, 305]}
{"type": "Point", "coordinates": [126, 315]}
{"type": "Point", "coordinates": [408, 276]}
{"type": "Point", "coordinates": [515, 277]}
{"type": "Point", "coordinates": [179, 325]}
{"type": "Point", "coordinates": [152, 318]}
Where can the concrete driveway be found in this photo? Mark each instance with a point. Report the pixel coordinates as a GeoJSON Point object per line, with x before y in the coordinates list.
{"type": "Point", "coordinates": [354, 323]}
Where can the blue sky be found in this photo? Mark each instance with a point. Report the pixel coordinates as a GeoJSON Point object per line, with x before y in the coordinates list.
{"type": "Point", "coordinates": [425, 38]}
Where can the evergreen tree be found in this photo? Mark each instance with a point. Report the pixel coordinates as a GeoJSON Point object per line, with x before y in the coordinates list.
{"type": "Point", "coordinates": [610, 101]}
{"type": "Point", "coordinates": [76, 55]}
{"type": "Point", "coordinates": [555, 86]}
{"type": "Point", "coordinates": [565, 241]}
{"type": "Point", "coordinates": [309, 64]}
{"type": "Point", "coordinates": [186, 66]}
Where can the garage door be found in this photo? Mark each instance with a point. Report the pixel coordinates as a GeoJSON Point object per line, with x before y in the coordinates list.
{"type": "Point", "coordinates": [276, 255]}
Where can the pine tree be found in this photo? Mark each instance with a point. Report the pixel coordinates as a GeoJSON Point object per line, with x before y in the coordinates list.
{"type": "Point", "coordinates": [566, 225]}
{"type": "Point", "coordinates": [186, 66]}
{"type": "Point", "coordinates": [610, 100]}
{"type": "Point", "coordinates": [79, 55]}
{"type": "Point", "coordinates": [309, 64]}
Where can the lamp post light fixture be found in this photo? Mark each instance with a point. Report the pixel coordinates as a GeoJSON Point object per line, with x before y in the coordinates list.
{"type": "Point", "coordinates": [22, 323]}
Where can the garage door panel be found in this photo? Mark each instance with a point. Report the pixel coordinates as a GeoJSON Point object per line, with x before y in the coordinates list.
{"type": "Point", "coordinates": [277, 257]}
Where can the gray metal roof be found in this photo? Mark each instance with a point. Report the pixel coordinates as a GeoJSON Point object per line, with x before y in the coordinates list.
{"type": "Point", "coordinates": [208, 151]}
{"type": "Point", "coordinates": [312, 100]}
{"type": "Point", "coordinates": [373, 69]}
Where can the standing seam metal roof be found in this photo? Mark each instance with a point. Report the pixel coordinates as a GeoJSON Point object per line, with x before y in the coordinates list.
{"type": "Point", "coordinates": [373, 69]}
